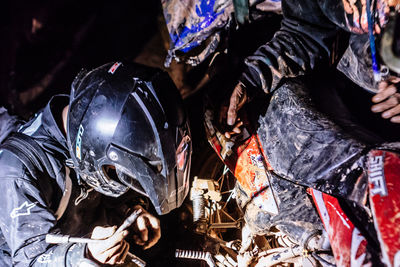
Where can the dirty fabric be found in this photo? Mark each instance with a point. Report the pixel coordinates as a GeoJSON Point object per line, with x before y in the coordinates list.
{"type": "Point", "coordinates": [305, 42]}
{"type": "Point", "coordinates": [192, 23]}
{"type": "Point", "coordinates": [356, 63]}
{"type": "Point", "coordinates": [310, 147]}
{"type": "Point", "coordinates": [306, 147]}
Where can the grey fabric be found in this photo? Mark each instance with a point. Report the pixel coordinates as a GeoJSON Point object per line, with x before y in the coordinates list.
{"type": "Point", "coordinates": [8, 123]}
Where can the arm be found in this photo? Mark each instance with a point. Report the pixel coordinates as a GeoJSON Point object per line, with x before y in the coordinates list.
{"type": "Point", "coordinates": [26, 219]}
{"type": "Point", "coordinates": [301, 45]}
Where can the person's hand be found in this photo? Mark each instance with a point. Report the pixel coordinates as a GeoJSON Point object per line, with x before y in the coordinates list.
{"type": "Point", "coordinates": [147, 228]}
{"type": "Point", "coordinates": [237, 100]}
{"type": "Point", "coordinates": [112, 249]}
{"type": "Point", "coordinates": [388, 100]}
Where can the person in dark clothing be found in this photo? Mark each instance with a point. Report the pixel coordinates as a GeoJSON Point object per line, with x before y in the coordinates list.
{"type": "Point", "coordinates": [305, 44]}
{"type": "Point", "coordinates": [120, 138]}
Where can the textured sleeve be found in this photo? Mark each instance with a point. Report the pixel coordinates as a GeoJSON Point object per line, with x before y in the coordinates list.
{"type": "Point", "coordinates": [303, 43]}
{"type": "Point", "coordinates": [26, 219]}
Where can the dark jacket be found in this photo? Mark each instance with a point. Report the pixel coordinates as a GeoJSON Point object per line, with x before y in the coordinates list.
{"type": "Point", "coordinates": [306, 40]}
{"type": "Point", "coordinates": [28, 203]}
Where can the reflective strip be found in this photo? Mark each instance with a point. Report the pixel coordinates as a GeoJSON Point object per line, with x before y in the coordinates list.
{"type": "Point", "coordinates": [356, 241]}
{"type": "Point", "coordinates": [322, 208]}
{"type": "Point", "coordinates": [151, 88]}
{"type": "Point", "coordinates": [34, 126]}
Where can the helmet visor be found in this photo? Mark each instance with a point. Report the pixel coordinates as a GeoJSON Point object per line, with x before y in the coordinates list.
{"type": "Point", "coordinates": [128, 179]}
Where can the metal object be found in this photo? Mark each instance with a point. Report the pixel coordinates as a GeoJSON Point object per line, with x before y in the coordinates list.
{"type": "Point", "coordinates": [202, 190]}
{"type": "Point", "coordinates": [196, 255]}
{"type": "Point", "coordinates": [130, 220]}
{"type": "Point", "coordinates": [63, 239]}
{"type": "Point", "coordinates": [279, 255]}
{"type": "Point", "coordinates": [198, 207]}
{"type": "Point", "coordinates": [136, 260]}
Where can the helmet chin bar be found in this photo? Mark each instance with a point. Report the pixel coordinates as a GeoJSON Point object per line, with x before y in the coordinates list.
{"type": "Point", "coordinates": [103, 185]}
{"type": "Point", "coordinates": [160, 189]}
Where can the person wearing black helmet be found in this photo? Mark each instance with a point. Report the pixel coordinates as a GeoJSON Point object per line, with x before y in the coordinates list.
{"type": "Point", "coordinates": [120, 138]}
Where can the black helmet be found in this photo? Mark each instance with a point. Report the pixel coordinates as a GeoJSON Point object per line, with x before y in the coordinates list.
{"type": "Point", "coordinates": [127, 129]}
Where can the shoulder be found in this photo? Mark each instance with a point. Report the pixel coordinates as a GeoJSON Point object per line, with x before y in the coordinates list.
{"type": "Point", "coordinates": [11, 166]}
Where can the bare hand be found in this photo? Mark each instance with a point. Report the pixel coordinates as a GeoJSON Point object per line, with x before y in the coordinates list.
{"type": "Point", "coordinates": [148, 230]}
{"type": "Point", "coordinates": [236, 102]}
{"type": "Point", "coordinates": [388, 100]}
{"type": "Point", "coordinates": [112, 249]}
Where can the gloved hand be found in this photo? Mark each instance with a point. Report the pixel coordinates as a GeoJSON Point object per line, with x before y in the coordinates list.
{"type": "Point", "coordinates": [388, 100]}
{"type": "Point", "coordinates": [229, 114]}
{"type": "Point", "coordinates": [147, 229]}
{"type": "Point", "coordinates": [112, 250]}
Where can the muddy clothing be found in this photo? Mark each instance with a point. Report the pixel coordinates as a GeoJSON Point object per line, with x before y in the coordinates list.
{"type": "Point", "coordinates": [306, 40]}
{"type": "Point", "coordinates": [30, 200]}
{"type": "Point", "coordinates": [311, 140]}
{"type": "Point", "coordinates": [200, 24]}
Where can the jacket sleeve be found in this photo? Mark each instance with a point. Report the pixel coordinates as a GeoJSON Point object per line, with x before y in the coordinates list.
{"type": "Point", "coordinates": [26, 219]}
{"type": "Point", "coordinates": [302, 44]}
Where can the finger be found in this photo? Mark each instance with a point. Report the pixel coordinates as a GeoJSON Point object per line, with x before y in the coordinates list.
{"type": "Point", "coordinates": [107, 254]}
{"type": "Point", "coordinates": [237, 100]}
{"type": "Point", "coordinates": [385, 105]}
{"type": "Point", "coordinates": [138, 240]}
{"type": "Point", "coordinates": [385, 93]}
{"type": "Point", "coordinates": [154, 239]}
{"type": "Point", "coordinates": [237, 128]}
{"type": "Point", "coordinates": [141, 225]}
{"type": "Point", "coordinates": [114, 240]}
{"type": "Point", "coordinates": [124, 253]}
{"type": "Point", "coordinates": [154, 222]}
{"type": "Point", "coordinates": [150, 244]}
{"type": "Point", "coordinates": [103, 232]}
{"type": "Point", "coordinates": [114, 254]}
{"type": "Point", "coordinates": [391, 112]}
{"type": "Point", "coordinates": [382, 86]}
{"type": "Point", "coordinates": [394, 79]}
{"type": "Point", "coordinates": [395, 119]}
{"type": "Point", "coordinates": [232, 110]}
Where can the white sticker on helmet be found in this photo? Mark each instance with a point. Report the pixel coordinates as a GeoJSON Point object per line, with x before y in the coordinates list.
{"type": "Point", "coordinates": [79, 142]}
{"type": "Point", "coordinates": [114, 67]}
